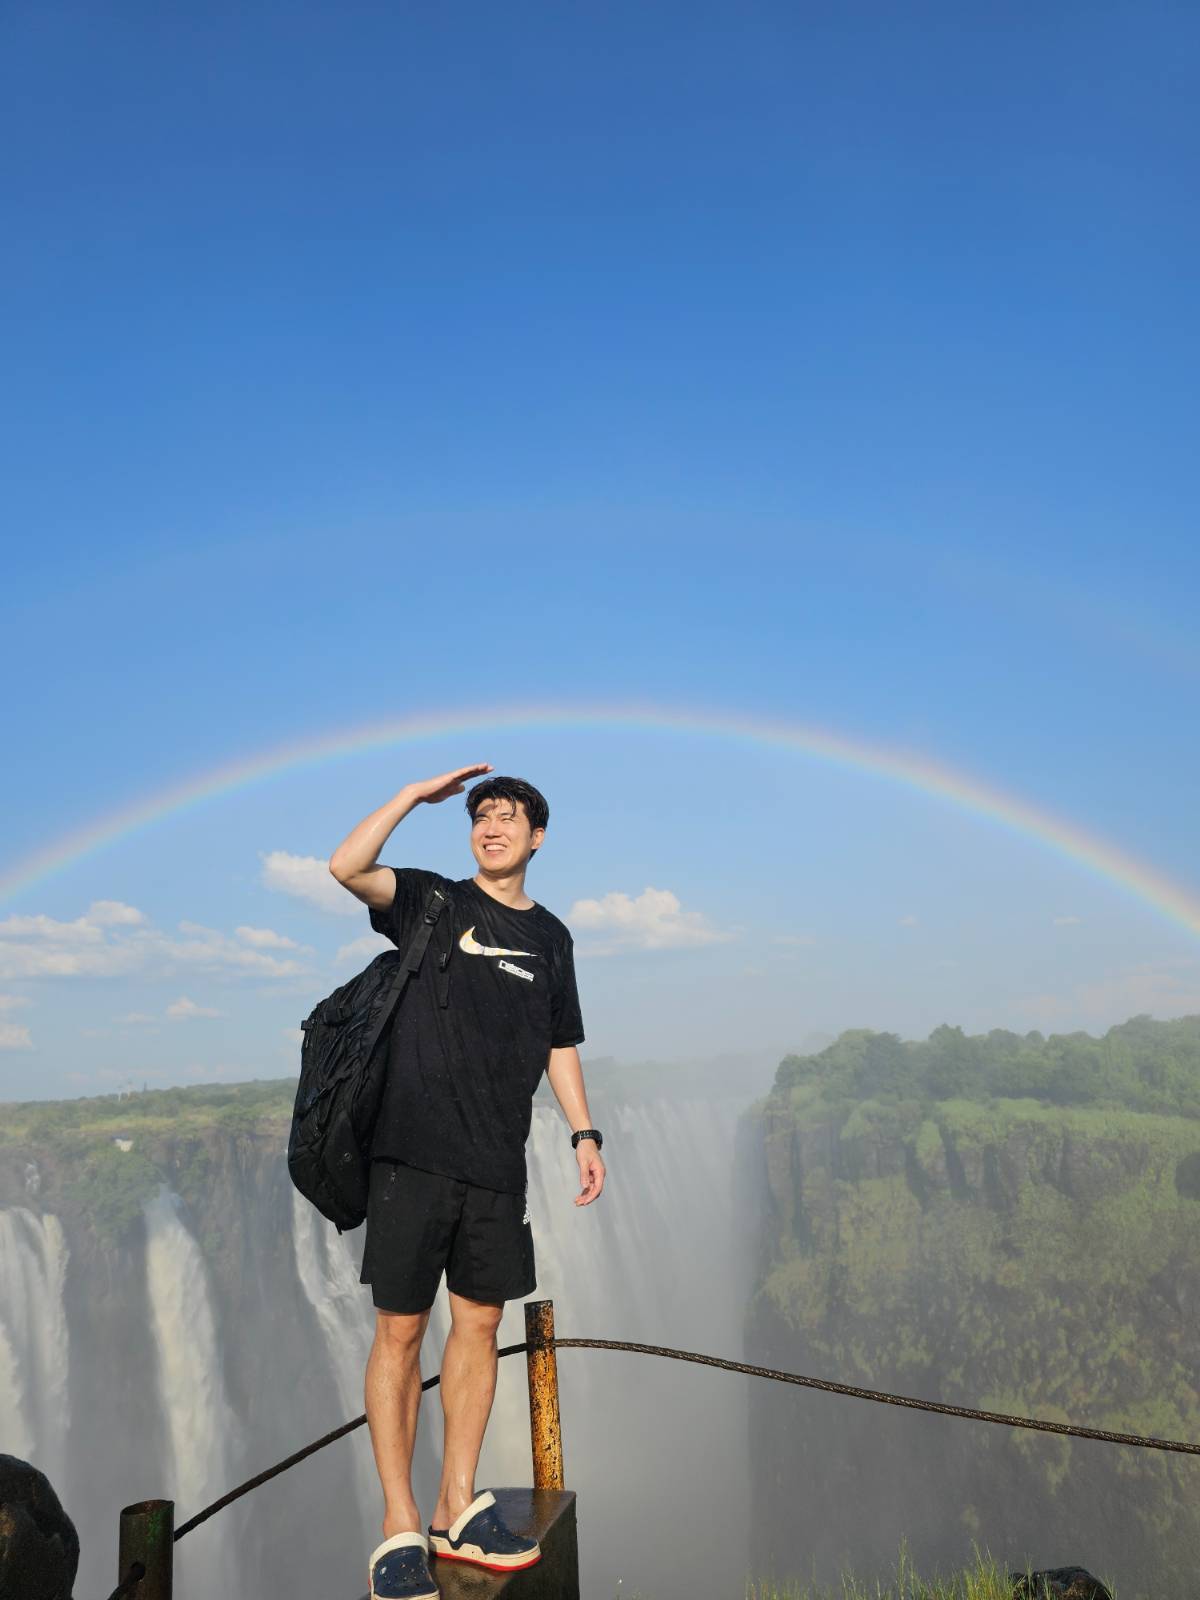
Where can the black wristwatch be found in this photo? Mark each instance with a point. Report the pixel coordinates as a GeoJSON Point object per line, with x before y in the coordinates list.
{"type": "Point", "coordinates": [588, 1133]}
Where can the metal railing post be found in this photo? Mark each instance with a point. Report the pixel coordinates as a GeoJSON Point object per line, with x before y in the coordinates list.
{"type": "Point", "coordinates": [541, 1363]}
{"type": "Point", "coordinates": [148, 1540]}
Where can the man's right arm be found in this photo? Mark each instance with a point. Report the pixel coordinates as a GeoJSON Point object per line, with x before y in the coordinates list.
{"type": "Point", "coordinates": [353, 863]}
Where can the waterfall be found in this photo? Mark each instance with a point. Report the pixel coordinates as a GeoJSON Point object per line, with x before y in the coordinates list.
{"type": "Point", "coordinates": [649, 1444]}
{"type": "Point", "coordinates": [175, 1400]}
{"type": "Point", "coordinates": [203, 1432]}
{"type": "Point", "coordinates": [656, 1260]}
{"type": "Point", "coordinates": [34, 1348]}
{"type": "Point", "coordinates": [342, 1306]}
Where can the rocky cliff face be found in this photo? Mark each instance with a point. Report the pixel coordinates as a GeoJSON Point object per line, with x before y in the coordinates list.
{"type": "Point", "coordinates": [136, 1267]}
{"type": "Point", "coordinates": [1021, 1258]}
{"type": "Point", "coordinates": [174, 1318]}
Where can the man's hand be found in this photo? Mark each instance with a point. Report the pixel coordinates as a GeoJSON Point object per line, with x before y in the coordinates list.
{"type": "Point", "coordinates": [591, 1172]}
{"type": "Point", "coordinates": [431, 790]}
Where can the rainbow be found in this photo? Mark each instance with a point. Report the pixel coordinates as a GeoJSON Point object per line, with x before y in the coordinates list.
{"type": "Point", "coordinates": [906, 768]}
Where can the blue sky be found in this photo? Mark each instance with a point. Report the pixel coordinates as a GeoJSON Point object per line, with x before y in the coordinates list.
{"type": "Point", "coordinates": [830, 364]}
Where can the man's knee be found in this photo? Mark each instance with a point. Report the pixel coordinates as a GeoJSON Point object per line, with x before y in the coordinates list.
{"type": "Point", "coordinates": [401, 1329]}
{"type": "Point", "coordinates": [477, 1317]}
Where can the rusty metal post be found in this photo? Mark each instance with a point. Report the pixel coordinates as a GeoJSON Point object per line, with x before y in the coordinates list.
{"type": "Point", "coordinates": [542, 1364]}
{"type": "Point", "coordinates": [148, 1540]}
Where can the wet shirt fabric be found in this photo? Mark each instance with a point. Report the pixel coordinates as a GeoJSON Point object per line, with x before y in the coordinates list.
{"type": "Point", "coordinates": [461, 1076]}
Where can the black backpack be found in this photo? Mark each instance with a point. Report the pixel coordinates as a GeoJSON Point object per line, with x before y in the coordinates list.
{"type": "Point", "coordinates": [342, 1077]}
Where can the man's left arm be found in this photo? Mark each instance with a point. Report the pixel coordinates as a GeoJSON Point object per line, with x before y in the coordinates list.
{"type": "Point", "coordinates": [565, 1073]}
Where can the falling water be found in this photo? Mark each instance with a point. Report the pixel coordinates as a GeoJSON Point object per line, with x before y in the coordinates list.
{"type": "Point", "coordinates": [329, 1277]}
{"type": "Point", "coordinates": [645, 1441]}
{"type": "Point", "coordinates": [202, 1429]}
{"type": "Point", "coordinates": [263, 1347]}
{"type": "Point", "coordinates": [651, 1446]}
{"type": "Point", "coordinates": [34, 1348]}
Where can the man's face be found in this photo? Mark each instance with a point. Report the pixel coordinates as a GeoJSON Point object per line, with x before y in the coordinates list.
{"type": "Point", "coordinates": [501, 838]}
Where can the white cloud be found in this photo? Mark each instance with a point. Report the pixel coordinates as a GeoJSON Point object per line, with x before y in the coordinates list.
{"type": "Point", "coordinates": [42, 947]}
{"type": "Point", "coordinates": [114, 914]}
{"type": "Point", "coordinates": [359, 951]}
{"type": "Point", "coordinates": [115, 941]}
{"type": "Point", "coordinates": [795, 939]}
{"type": "Point", "coordinates": [266, 938]}
{"type": "Point", "coordinates": [179, 1009]}
{"type": "Point", "coordinates": [217, 952]}
{"type": "Point", "coordinates": [133, 1017]}
{"type": "Point", "coordinates": [308, 878]}
{"type": "Point", "coordinates": [1067, 922]}
{"type": "Point", "coordinates": [908, 922]}
{"type": "Point", "coordinates": [652, 921]}
{"type": "Point", "coordinates": [14, 1036]}
{"type": "Point", "coordinates": [10, 1002]}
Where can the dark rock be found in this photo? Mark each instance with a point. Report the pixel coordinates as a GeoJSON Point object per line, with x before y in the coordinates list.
{"type": "Point", "coordinates": [1058, 1583]}
{"type": "Point", "coordinates": [39, 1548]}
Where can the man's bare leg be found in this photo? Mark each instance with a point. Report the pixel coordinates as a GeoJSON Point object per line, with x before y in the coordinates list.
{"type": "Point", "coordinates": [468, 1386]}
{"type": "Point", "coordinates": [393, 1397]}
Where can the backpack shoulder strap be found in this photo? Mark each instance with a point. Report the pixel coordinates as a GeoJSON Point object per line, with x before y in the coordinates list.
{"type": "Point", "coordinates": [411, 961]}
{"type": "Point", "coordinates": [434, 906]}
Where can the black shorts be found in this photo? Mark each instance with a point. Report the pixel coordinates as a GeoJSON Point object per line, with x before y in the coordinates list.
{"type": "Point", "coordinates": [421, 1222]}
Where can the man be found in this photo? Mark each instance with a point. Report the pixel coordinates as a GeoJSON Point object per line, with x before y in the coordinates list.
{"type": "Point", "coordinates": [493, 1006]}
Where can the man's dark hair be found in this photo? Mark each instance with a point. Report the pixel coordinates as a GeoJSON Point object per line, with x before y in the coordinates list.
{"type": "Point", "coordinates": [512, 790]}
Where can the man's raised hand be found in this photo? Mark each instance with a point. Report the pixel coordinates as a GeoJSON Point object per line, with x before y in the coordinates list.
{"type": "Point", "coordinates": [431, 790]}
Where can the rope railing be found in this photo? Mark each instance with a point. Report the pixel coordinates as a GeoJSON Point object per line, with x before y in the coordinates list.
{"type": "Point", "coordinates": [1106, 1436]}
{"type": "Point", "coordinates": [541, 1347]}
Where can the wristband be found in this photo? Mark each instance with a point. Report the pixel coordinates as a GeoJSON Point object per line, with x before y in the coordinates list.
{"type": "Point", "coordinates": [588, 1133]}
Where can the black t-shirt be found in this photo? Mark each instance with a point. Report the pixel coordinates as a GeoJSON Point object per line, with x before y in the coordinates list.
{"type": "Point", "coordinates": [461, 1076]}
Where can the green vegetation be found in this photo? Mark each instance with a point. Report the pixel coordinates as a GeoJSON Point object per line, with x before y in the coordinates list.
{"type": "Point", "coordinates": [1140, 1065]}
{"type": "Point", "coordinates": [62, 1124]}
{"type": "Point", "coordinates": [111, 1188]}
{"type": "Point", "coordinates": [102, 1158]}
{"type": "Point", "coordinates": [984, 1579]}
{"type": "Point", "coordinates": [265, 1104]}
{"type": "Point", "coordinates": [1000, 1221]}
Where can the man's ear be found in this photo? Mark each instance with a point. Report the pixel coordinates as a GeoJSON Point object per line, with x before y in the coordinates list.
{"type": "Point", "coordinates": [535, 838]}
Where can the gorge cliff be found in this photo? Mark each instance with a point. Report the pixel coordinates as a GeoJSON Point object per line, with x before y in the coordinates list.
{"type": "Point", "coordinates": [1004, 1252]}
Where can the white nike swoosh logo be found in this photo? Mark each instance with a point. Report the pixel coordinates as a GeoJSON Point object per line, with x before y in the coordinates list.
{"type": "Point", "coordinates": [470, 944]}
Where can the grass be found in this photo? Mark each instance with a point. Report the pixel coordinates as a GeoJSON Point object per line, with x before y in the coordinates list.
{"type": "Point", "coordinates": [987, 1579]}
